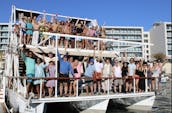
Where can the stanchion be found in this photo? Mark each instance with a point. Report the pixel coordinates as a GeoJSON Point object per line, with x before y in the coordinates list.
{"type": "Point", "coordinates": [40, 96]}
{"type": "Point", "coordinates": [25, 88]}
{"type": "Point", "coordinates": [108, 85]}
{"type": "Point", "coordinates": [76, 88]}
{"type": "Point", "coordinates": [134, 85]}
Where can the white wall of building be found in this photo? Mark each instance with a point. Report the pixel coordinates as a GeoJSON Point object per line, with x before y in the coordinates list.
{"type": "Point", "coordinates": [157, 37]}
{"type": "Point", "coordinates": [146, 39]}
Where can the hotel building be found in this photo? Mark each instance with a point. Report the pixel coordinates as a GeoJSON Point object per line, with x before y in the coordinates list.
{"type": "Point", "coordinates": [129, 33]}
{"type": "Point", "coordinates": [161, 37]}
{"type": "Point", "coordinates": [4, 41]}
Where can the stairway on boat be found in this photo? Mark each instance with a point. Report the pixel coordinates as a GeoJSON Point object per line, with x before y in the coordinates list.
{"type": "Point", "coordinates": [22, 66]}
{"type": "Point", "coordinates": [2, 95]}
{"type": "Point", "coordinates": [2, 90]}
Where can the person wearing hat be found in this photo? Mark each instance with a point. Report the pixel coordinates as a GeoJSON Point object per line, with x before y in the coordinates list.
{"type": "Point", "coordinates": [89, 71]}
{"type": "Point", "coordinates": [64, 70]}
{"type": "Point", "coordinates": [47, 60]}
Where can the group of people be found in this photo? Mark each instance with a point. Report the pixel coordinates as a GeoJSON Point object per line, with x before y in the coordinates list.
{"type": "Point", "coordinates": [30, 30]}
{"type": "Point", "coordinates": [121, 75]}
{"type": "Point", "coordinates": [40, 66]}
{"type": "Point", "coordinates": [99, 74]}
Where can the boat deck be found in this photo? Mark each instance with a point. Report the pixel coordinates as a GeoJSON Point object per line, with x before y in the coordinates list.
{"type": "Point", "coordinates": [72, 51]}
{"type": "Point", "coordinates": [95, 97]}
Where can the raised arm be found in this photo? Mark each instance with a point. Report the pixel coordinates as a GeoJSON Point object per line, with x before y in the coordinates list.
{"type": "Point", "coordinates": [101, 57]}
{"type": "Point", "coordinates": [44, 63]}
{"type": "Point", "coordinates": [103, 60]}
{"type": "Point", "coordinates": [85, 58]}
{"type": "Point", "coordinates": [76, 22]}
{"type": "Point", "coordinates": [44, 59]}
{"type": "Point", "coordinates": [58, 55]}
{"type": "Point", "coordinates": [31, 16]}
{"type": "Point", "coordinates": [84, 22]}
{"type": "Point", "coordinates": [38, 55]}
{"type": "Point", "coordinates": [44, 16]}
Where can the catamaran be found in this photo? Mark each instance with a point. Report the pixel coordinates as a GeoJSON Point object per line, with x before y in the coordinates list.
{"type": "Point", "coordinates": [14, 84]}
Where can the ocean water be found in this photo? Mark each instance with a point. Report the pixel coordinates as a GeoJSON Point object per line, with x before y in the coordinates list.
{"type": "Point", "coordinates": [162, 104]}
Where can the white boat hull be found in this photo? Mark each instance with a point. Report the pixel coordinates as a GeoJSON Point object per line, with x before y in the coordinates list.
{"type": "Point", "coordinates": [21, 105]}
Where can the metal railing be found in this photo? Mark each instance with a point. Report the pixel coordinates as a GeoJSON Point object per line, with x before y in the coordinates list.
{"type": "Point", "coordinates": [84, 43]}
{"type": "Point", "coordinates": [18, 81]}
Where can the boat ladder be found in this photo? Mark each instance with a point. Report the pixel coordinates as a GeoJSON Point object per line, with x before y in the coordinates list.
{"type": "Point", "coordinates": [2, 95]}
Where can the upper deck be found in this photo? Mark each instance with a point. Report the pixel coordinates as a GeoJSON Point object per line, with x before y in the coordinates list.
{"type": "Point", "coordinates": [76, 43]}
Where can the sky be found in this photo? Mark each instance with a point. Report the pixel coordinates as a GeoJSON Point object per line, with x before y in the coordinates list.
{"type": "Point", "coordinates": [141, 13]}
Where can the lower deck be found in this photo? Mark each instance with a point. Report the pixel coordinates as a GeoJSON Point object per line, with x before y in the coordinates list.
{"type": "Point", "coordinates": [95, 97]}
{"type": "Point", "coordinates": [82, 102]}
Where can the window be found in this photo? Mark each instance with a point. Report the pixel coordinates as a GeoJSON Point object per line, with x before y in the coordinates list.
{"type": "Point", "coordinates": [125, 31]}
{"type": "Point", "coordinates": [169, 52]}
{"type": "Point", "coordinates": [108, 31]}
{"type": "Point", "coordinates": [4, 28]}
{"type": "Point", "coordinates": [122, 37]}
{"type": "Point", "coordinates": [132, 31]}
{"type": "Point", "coordinates": [147, 51]}
{"type": "Point", "coordinates": [146, 41]}
{"type": "Point", "coordinates": [4, 34]}
{"type": "Point", "coordinates": [169, 39]}
{"type": "Point", "coordinates": [116, 30]}
{"type": "Point", "coordinates": [145, 35]}
{"type": "Point", "coordinates": [137, 31]}
{"type": "Point", "coordinates": [169, 34]}
{"type": "Point", "coordinates": [169, 47]}
{"type": "Point", "coordinates": [112, 31]}
{"type": "Point", "coordinates": [169, 27]}
{"type": "Point", "coordinates": [129, 31]}
{"type": "Point", "coordinates": [137, 37]}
